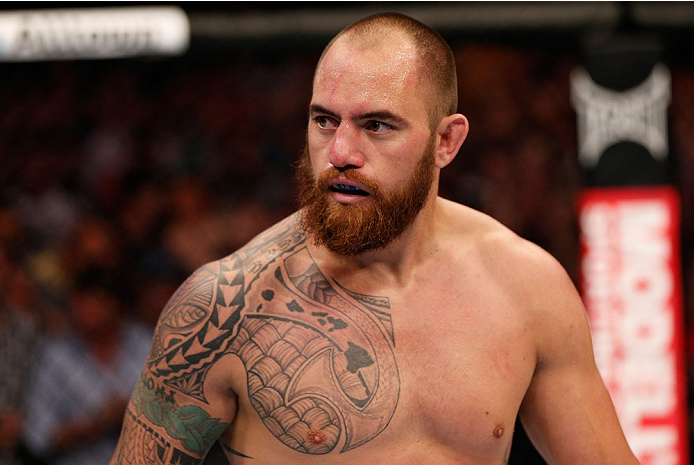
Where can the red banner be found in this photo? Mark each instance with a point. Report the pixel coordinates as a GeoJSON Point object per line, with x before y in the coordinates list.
{"type": "Point", "coordinates": [631, 286]}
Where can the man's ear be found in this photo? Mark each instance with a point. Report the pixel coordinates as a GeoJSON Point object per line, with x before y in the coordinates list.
{"type": "Point", "coordinates": [450, 135]}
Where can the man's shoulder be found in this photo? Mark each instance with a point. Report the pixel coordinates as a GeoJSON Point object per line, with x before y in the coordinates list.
{"type": "Point", "coordinates": [473, 229]}
{"type": "Point", "coordinates": [252, 259]}
{"type": "Point", "coordinates": [206, 305]}
{"type": "Point", "coordinates": [537, 284]}
{"type": "Point", "coordinates": [503, 253]}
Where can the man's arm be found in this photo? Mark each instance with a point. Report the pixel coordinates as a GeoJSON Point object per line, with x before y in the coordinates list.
{"type": "Point", "coordinates": [180, 406]}
{"type": "Point", "coordinates": [567, 411]}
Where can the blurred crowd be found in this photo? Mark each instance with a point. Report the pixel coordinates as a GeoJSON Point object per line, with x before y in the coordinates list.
{"type": "Point", "coordinates": [120, 178]}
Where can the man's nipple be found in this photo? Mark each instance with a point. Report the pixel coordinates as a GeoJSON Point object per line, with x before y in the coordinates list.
{"type": "Point", "coordinates": [498, 431]}
{"type": "Point", "coordinates": [316, 437]}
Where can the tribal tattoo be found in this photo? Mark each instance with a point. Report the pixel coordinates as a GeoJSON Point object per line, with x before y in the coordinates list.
{"type": "Point", "coordinates": [141, 445]}
{"type": "Point", "coordinates": [319, 358]}
{"type": "Point", "coordinates": [190, 424]}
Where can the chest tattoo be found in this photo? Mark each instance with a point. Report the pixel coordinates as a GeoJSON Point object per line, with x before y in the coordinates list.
{"type": "Point", "coordinates": [319, 358]}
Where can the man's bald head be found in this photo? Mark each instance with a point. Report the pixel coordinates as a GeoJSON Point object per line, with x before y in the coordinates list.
{"type": "Point", "coordinates": [435, 58]}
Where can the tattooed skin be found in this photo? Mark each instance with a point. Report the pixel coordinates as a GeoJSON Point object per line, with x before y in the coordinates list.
{"type": "Point", "coordinates": [319, 358]}
{"type": "Point", "coordinates": [141, 445]}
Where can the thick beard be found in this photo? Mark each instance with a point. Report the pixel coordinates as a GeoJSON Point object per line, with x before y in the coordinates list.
{"type": "Point", "coordinates": [350, 230]}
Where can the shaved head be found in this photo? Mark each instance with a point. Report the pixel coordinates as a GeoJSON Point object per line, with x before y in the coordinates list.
{"type": "Point", "coordinates": [436, 64]}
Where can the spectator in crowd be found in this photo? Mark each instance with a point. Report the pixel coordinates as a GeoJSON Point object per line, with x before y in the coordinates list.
{"type": "Point", "coordinates": [83, 377]}
{"type": "Point", "coordinates": [19, 332]}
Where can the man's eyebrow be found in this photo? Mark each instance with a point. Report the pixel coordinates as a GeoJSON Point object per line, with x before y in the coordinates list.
{"type": "Point", "coordinates": [319, 109]}
{"type": "Point", "coordinates": [381, 115]}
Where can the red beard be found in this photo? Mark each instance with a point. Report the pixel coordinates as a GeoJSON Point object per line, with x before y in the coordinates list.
{"type": "Point", "coordinates": [350, 230]}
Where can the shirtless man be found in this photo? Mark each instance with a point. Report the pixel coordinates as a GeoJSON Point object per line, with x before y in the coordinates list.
{"type": "Point", "coordinates": [381, 324]}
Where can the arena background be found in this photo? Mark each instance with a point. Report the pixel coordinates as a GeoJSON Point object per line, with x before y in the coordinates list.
{"type": "Point", "coordinates": [126, 174]}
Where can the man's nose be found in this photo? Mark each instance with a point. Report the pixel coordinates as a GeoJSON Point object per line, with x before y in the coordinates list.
{"type": "Point", "coordinates": [346, 150]}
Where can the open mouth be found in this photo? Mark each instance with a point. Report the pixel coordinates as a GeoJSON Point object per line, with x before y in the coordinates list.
{"type": "Point", "coordinates": [347, 189]}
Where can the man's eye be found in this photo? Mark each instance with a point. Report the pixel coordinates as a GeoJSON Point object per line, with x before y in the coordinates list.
{"type": "Point", "coordinates": [324, 122]}
{"type": "Point", "coordinates": [377, 126]}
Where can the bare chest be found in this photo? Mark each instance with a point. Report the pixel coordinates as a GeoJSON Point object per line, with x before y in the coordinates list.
{"type": "Point", "coordinates": [465, 364]}
{"type": "Point", "coordinates": [329, 369]}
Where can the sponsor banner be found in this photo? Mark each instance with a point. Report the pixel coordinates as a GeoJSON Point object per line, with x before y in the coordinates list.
{"type": "Point", "coordinates": [631, 286]}
{"type": "Point", "coordinates": [36, 35]}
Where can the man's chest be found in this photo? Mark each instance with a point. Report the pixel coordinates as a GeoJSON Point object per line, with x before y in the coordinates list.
{"type": "Point", "coordinates": [330, 369]}
{"type": "Point", "coordinates": [465, 366]}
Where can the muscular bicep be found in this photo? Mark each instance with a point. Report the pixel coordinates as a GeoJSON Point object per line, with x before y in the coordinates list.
{"type": "Point", "coordinates": [567, 411]}
{"type": "Point", "coordinates": [569, 416]}
{"type": "Point", "coordinates": [183, 401]}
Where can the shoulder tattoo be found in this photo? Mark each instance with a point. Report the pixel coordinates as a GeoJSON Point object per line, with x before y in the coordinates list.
{"type": "Point", "coordinates": [319, 358]}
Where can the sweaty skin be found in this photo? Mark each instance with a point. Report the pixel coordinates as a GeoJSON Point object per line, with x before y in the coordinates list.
{"type": "Point", "coordinates": [422, 351]}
